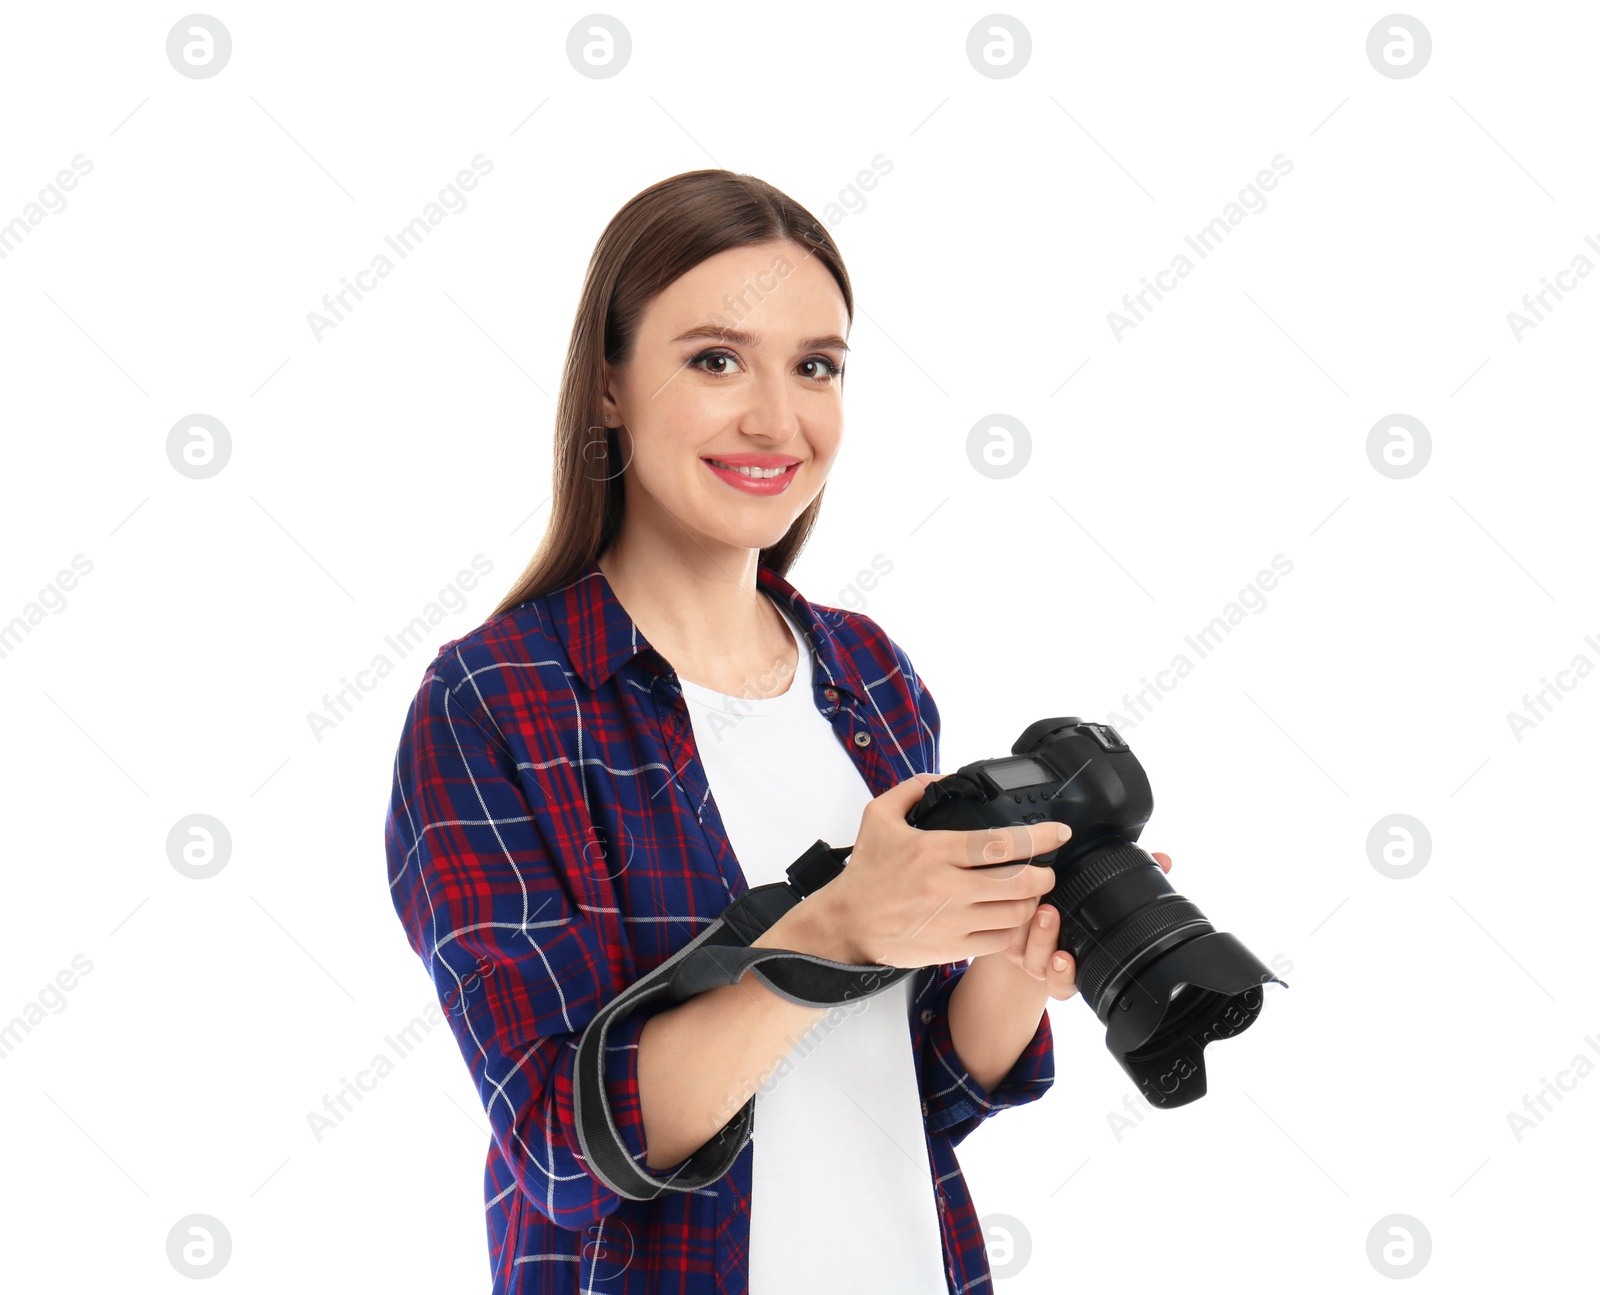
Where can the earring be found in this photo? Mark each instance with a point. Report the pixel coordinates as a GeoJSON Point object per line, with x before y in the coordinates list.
{"type": "Point", "coordinates": [608, 420]}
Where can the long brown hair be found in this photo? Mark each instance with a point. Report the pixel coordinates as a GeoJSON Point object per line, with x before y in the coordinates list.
{"type": "Point", "coordinates": [658, 235]}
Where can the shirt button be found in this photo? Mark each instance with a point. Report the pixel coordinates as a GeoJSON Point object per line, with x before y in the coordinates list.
{"type": "Point", "coordinates": [863, 738]}
{"type": "Point", "coordinates": [927, 1015]}
{"type": "Point", "coordinates": [924, 1110]}
{"type": "Point", "coordinates": [832, 694]}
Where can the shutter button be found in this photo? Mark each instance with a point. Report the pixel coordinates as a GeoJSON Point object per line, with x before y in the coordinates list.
{"type": "Point", "coordinates": [863, 738]}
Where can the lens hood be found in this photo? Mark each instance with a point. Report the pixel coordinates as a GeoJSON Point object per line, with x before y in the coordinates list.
{"type": "Point", "coordinates": [1157, 1028]}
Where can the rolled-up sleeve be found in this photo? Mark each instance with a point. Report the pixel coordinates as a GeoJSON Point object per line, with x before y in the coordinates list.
{"type": "Point", "coordinates": [518, 968]}
{"type": "Point", "coordinates": [954, 1102]}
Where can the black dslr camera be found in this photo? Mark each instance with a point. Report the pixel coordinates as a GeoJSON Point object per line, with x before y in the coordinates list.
{"type": "Point", "coordinates": [1160, 977]}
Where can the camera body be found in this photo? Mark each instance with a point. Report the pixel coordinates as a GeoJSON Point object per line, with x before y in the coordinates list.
{"type": "Point", "coordinates": [1153, 969]}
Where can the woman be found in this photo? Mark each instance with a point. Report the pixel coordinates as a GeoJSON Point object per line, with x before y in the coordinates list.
{"type": "Point", "coordinates": [654, 721]}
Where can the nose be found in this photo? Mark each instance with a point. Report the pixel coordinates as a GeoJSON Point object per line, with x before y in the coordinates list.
{"type": "Point", "coordinates": [772, 413]}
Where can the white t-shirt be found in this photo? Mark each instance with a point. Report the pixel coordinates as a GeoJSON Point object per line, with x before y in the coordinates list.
{"type": "Point", "coordinates": [842, 1197]}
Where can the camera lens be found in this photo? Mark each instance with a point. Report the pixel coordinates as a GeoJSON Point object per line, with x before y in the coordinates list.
{"type": "Point", "coordinates": [1161, 979]}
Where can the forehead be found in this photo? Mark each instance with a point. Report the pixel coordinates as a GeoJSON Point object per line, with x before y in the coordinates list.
{"type": "Point", "coordinates": [777, 290]}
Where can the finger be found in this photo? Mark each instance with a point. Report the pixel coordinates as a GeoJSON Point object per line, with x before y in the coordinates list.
{"type": "Point", "coordinates": [982, 942]}
{"type": "Point", "coordinates": [1017, 949]}
{"type": "Point", "coordinates": [1002, 915]}
{"type": "Point", "coordinates": [1062, 975]}
{"type": "Point", "coordinates": [1002, 892]}
{"type": "Point", "coordinates": [900, 798]}
{"type": "Point", "coordinates": [1042, 933]}
{"type": "Point", "coordinates": [1017, 842]}
{"type": "Point", "coordinates": [1164, 860]}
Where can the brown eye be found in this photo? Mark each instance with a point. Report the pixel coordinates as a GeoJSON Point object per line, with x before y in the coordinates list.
{"type": "Point", "coordinates": [709, 357]}
{"type": "Point", "coordinates": [829, 368]}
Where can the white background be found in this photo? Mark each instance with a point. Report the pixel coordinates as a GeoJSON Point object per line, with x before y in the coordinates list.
{"type": "Point", "coordinates": [369, 466]}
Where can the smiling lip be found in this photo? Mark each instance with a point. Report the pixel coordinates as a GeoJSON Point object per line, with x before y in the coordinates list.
{"type": "Point", "coordinates": [755, 485]}
{"type": "Point", "coordinates": [754, 460]}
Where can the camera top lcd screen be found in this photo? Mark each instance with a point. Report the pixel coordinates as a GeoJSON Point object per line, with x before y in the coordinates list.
{"type": "Point", "coordinates": [1009, 775]}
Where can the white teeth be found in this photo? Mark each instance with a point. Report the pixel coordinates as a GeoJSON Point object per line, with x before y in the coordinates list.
{"type": "Point", "coordinates": [761, 474]}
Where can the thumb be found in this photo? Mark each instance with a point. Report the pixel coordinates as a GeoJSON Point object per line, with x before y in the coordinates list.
{"type": "Point", "coordinates": [901, 797]}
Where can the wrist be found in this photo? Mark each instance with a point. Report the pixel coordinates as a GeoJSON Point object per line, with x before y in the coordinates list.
{"type": "Point", "coordinates": [811, 926]}
{"type": "Point", "coordinates": [823, 913]}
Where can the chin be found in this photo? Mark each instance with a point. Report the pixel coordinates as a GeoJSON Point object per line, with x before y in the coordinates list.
{"type": "Point", "coordinates": [752, 537]}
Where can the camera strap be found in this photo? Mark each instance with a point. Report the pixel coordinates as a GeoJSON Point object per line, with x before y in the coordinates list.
{"type": "Point", "coordinates": [719, 955]}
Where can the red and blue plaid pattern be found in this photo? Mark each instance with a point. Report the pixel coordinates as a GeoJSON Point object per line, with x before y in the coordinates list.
{"type": "Point", "coordinates": [551, 838]}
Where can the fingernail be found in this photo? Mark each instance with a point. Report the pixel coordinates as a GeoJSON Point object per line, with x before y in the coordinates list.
{"type": "Point", "coordinates": [1046, 917]}
{"type": "Point", "coordinates": [1062, 831]}
{"type": "Point", "coordinates": [1061, 962]}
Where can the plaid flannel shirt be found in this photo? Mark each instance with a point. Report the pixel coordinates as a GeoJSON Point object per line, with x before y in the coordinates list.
{"type": "Point", "coordinates": [551, 838]}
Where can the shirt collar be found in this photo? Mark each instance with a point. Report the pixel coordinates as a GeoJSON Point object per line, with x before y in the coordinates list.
{"type": "Point", "coordinates": [600, 636]}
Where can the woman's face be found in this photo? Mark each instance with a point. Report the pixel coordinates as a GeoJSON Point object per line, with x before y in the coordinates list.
{"type": "Point", "coordinates": [739, 360]}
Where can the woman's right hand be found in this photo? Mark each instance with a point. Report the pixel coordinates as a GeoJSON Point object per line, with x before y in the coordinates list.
{"type": "Point", "coordinates": [913, 897]}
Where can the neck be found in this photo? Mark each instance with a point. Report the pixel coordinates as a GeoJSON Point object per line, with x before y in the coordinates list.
{"type": "Point", "coordinates": [705, 604]}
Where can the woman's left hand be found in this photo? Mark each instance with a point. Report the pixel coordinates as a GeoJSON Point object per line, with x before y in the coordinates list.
{"type": "Point", "coordinates": [1033, 947]}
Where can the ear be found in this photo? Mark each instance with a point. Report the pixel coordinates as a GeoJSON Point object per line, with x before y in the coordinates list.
{"type": "Point", "coordinates": [610, 408]}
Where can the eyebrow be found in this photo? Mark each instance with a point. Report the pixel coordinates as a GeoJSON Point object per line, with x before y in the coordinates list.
{"type": "Point", "coordinates": [831, 342]}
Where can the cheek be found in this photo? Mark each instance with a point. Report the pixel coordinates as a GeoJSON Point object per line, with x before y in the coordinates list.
{"type": "Point", "coordinates": [684, 418]}
{"type": "Point", "coordinates": [674, 426]}
{"type": "Point", "coordinates": [824, 427]}
{"type": "Point", "coordinates": [826, 441]}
